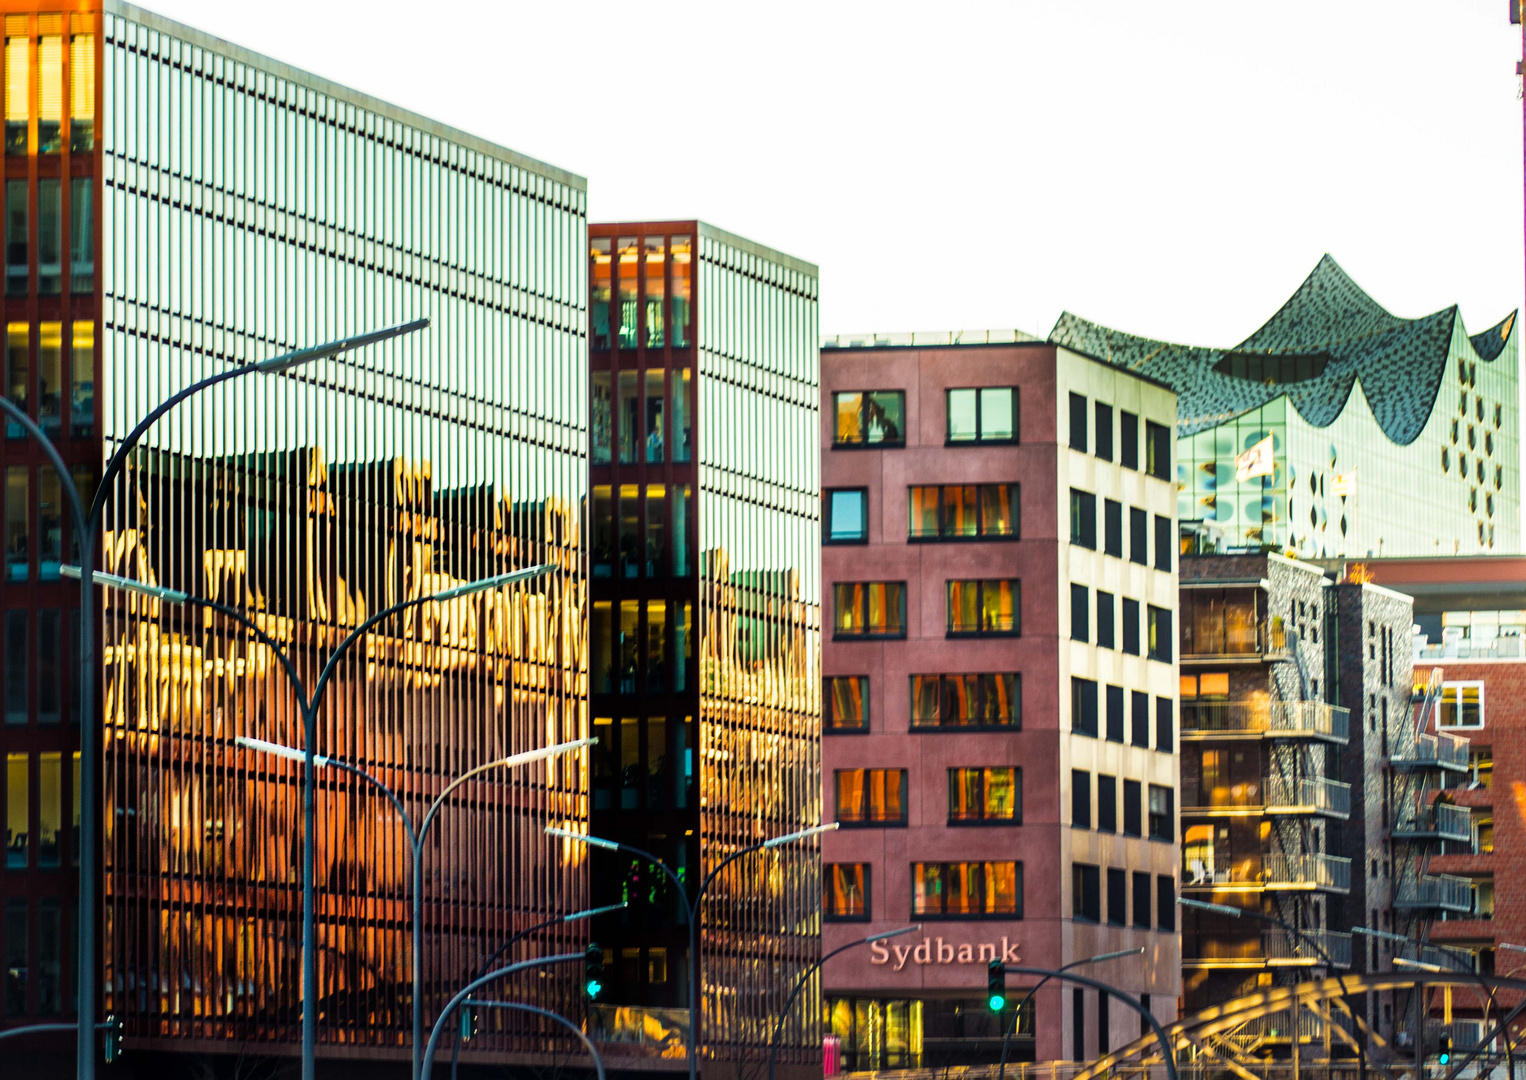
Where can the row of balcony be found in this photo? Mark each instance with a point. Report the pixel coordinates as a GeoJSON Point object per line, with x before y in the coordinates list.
{"type": "Point", "coordinates": [1438, 892]}
{"type": "Point", "coordinates": [1275, 871]}
{"type": "Point", "coordinates": [1440, 751]}
{"type": "Point", "coordinates": [1272, 948]}
{"type": "Point", "coordinates": [1271, 795]}
{"type": "Point", "coordinates": [1439, 821]}
{"type": "Point", "coordinates": [1203, 720]}
{"type": "Point", "coordinates": [1236, 636]}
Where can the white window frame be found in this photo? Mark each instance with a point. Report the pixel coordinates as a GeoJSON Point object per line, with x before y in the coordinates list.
{"type": "Point", "coordinates": [1447, 688]}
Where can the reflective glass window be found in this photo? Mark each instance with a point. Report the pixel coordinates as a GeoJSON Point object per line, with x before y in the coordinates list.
{"type": "Point", "coordinates": [50, 525]}
{"type": "Point", "coordinates": [682, 291]}
{"type": "Point", "coordinates": [629, 268]}
{"type": "Point", "coordinates": [682, 444]}
{"type": "Point", "coordinates": [871, 796]}
{"type": "Point", "coordinates": [599, 292]}
{"type": "Point", "coordinates": [655, 285]}
{"type": "Point", "coordinates": [845, 703]}
{"type": "Point", "coordinates": [962, 512]}
{"type": "Point", "coordinates": [987, 795]}
{"type": "Point", "coordinates": [681, 563]}
{"type": "Point", "coordinates": [18, 371]}
{"type": "Point", "coordinates": [655, 430]}
{"type": "Point", "coordinates": [50, 230]}
{"type": "Point", "coordinates": [967, 889]}
{"type": "Point", "coordinates": [869, 609]}
{"type": "Point", "coordinates": [600, 420]}
{"type": "Point", "coordinates": [602, 532]}
{"type": "Point", "coordinates": [82, 92]}
{"type": "Point", "coordinates": [82, 379]}
{"type": "Point", "coordinates": [17, 797]}
{"type": "Point", "coordinates": [50, 93]}
{"type": "Point", "coordinates": [847, 516]}
{"type": "Point", "coordinates": [629, 644]}
{"type": "Point", "coordinates": [17, 84]}
{"type": "Point", "coordinates": [963, 701]}
{"type": "Point", "coordinates": [15, 238]}
{"type": "Point", "coordinates": [50, 808]}
{"type": "Point", "coordinates": [17, 536]}
{"type": "Point", "coordinates": [984, 607]}
{"type": "Point", "coordinates": [683, 645]}
{"type": "Point", "coordinates": [870, 418]}
{"type": "Point", "coordinates": [50, 388]}
{"type": "Point", "coordinates": [602, 657]}
{"type": "Point", "coordinates": [630, 426]}
{"type": "Point", "coordinates": [632, 544]}
{"type": "Point", "coordinates": [846, 891]}
{"type": "Point", "coordinates": [984, 415]}
{"type": "Point", "coordinates": [656, 530]}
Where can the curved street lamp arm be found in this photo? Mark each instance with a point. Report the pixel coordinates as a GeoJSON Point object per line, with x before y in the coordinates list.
{"type": "Point", "coordinates": [475, 771]}
{"type": "Point", "coordinates": [773, 1040]}
{"type": "Point", "coordinates": [264, 639]}
{"type": "Point", "coordinates": [66, 478]}
{"type": "Point", "coordinates": [598, 1062]}
{"type": "Point", "coordinates": [466, 992]}
{"type": "Point", "coordinates": [354, 635]}
{"type": "Point", "coordinates": [1145, 1014]}
{"type": "Point", "coordinates": [630, 849]}
{"type": "Point", "coordinates": [1017, 1013]}
{"type": "Point", "coordinates": [397, 804]}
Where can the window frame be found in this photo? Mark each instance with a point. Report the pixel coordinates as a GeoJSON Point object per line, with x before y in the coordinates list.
{"type": "Point", "coordinates": [1102, 421]}
{"type": "Point", "coordinates": [1079, 516]}
{"type": "Point", "coordinates": [1109, 823]}
{"type": "Point", "coordinates": [1079, 410]}
{"type": "Point", "coordinates": [1016, 629]}
{"type": "Point", "coordinates": [1162, 543]}
{"type": "Point", "coordinates": [1165, 903]}
{"type": "Point", "coordinates": [1139, 719]}
{"type": "Point", "coordinates": [1139, 536]}
{"type": "Point", "coordinates": [1132, 799]}
{"type": "Point", "coordinates": [1085, 884]}
{"type": "Point", "coordinates": [1112, 528]}
{"type": "Point", "coordinates": [955, 775]}
{"type": "Point", "coordinates": [980, 535]}
{"type": "Point", "coordinates": [883, 444]}
{"type": "Point", "coordinates": [1157, 447]}
{"type": "Point", "coordinates": [838, 634]}
{"type": "Point", "coordinates": [1160, 632]}
{"type": "Point", "coordinates": [1167, 817]}
{"type": "Point", "coordinates": [827, 914]}
{"type": "Point", "coordinates": [1133, 624]}
{"type": "Point", "coordinates": [917, 726]}
{"type": "Point", "coordinates": [1128, 439]}
{"type": "Point", "coordinates": [827, 539]}
{"type": "Point", "coordinates": [1459, 685]}
{"type": "Point", "coordinates": [828, 728]}
{"type": "Point", "coordinates": [1080, 613]}
{"type": "Point", "coordinates": [1140, 887]}
{"type": "Point", "coordinates": [1080, 799]}
{"type": "Point", "coordinates": [1115, 714]}
{"type": "Point", "coordinates": [1117, 880]}
{"type": "Point", "coordinates": [944, 915]}
{"type": "Point", "coordinates": [1078, 705]}
{"type": "Point", "coordinates": [868, 822]}
{"type": "Point", "coordinates": [980, 437]}
{"type": "Point", "coordinates": [1107, 628]}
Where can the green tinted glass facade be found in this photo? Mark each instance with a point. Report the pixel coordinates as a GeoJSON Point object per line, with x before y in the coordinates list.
{"type": "Point", "coordinates": [250, 209]}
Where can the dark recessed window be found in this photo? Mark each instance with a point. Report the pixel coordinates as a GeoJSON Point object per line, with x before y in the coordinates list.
{"type": "Point", "coordinates": [871, 796]}
{"type": "Point", "coordinates": [1080, 799]}
{"type": "Point", "coordinates": [1112, 528]}
{"type": "Point", "coordinates": [984, 608]}
{"type": "Point", "coordinates": [985, 796]}
{"type": "Point", "coordinates": [1272, 370]}
{"type": "Point", "coordinates": [966, 701]}
{"type": "Point", "coordinates": [1107, 803]}
{"type": "Point", "coordinates": [845, 700]}
{"type": "Point", "coordinates": [1078, 423]}
{"type": "Point", "coordinates": [1162, 813]}
{"type": "Point", "coordinates": [1080, 611]}
{"type": "Point", "coordinates": [1165, 903]}
{"type": "Point", "coordinates": [1139, 536]}
{"type": "Point", "coordinates": [1133, 819]}
{"type": "Point", "coordinates": [1114, 697]}
{"type": "Point", "coordinates": [869, 609]}
{"type": "Point", "coordinates": [1128, 440]}
{"type": "Point", "coordinates": [1117, 897]}
{"type": "Point", "coordinates": [1162, 543]}
{"type": "Point", "coordinates": [1083, 519]}
{"type": "Point", "coordinates": [846, 891]}
{"type": "Point", "coordinates": [1165, 725]}
{"type": "Point", "coordinates": [1131, 626]}
{"type": "Point", "coordinates": [967, 890]}
{"type": "Point", "coordinates": [1160, 634]}
{"type": "Point", "coordinates": [962, 512]}
{"type": "Point", "coordinates": [985, 415]}
{"type": "Point", "coordinates": [1086, 893]}
{"type": "Point", "coordinates": [870, 418]}
{"type": "Point", "coordinates": [1106, 620]}
{"type": "Point", "coordinates": [1083, 706]}
{"type": "Point", "coordinates": [1139, 715]}
{"type": "Point", "coordinates": [847, 512]}
{"type": "Point", "coordinates": [1104, 433]}
{"type": "Point", "coordinates": [1157, 450]}
{"type": "Point", "coordinates": [1141, 901]}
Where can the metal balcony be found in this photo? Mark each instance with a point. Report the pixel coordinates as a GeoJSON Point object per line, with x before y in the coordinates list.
{"type": "Point", "coordinates": [1303, 949]}
{"type": "Point", "coordinates": [1263, 719]}
{"type": "Point", "coordinates": [1439, 821]}
{"type": "Point", "coordinates": [1330, 798]}
{"type": "Point", "coordinates": [1277, 872]}
{"type": "Point", "coordinates": [1272, 948]}
{"type": "Point", "coordinates": [1443, 751]}
{"type": "Point", "coordinates": [1233, 639]}
{"type": "Point", "coordinates": [1439, 892]}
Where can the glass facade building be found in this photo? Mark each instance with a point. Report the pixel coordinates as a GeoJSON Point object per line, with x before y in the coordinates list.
{"type": "Point", "coordinates": [218, 208]}
{"type": "Point", "coordinates": [704, 640]}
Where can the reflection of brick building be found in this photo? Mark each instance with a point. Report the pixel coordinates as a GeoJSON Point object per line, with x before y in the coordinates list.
{"type": "Point", "coordinates": [1000, 730]}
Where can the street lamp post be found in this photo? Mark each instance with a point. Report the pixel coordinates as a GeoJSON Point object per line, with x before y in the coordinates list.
{"type": "Point", "coordinates": [416, 837]}
{"type": "Point", "coordinates": [465, 993]}
{"type": "Point", "coordinates": [773, 1041]}
{"type": "Point", "coordinates": [535, 1010]}
{"type": "Point", "coordinates": [1243, 913]}
{"type": "Point", "coordinates": [690, 907]}
{"type": "Point", "coordinates": [87, 522]}
{"type": "Point", "coordinates": [308, 704]}
{"type": "Point", "coordinates": [1017, 1013]}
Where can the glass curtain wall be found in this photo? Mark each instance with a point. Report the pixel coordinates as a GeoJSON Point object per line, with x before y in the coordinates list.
{"type": "Point", "coordinates": [253, 210]}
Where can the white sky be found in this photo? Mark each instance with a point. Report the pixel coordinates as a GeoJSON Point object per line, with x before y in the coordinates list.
{"type": "Point", "coordinates": [1168, 167]}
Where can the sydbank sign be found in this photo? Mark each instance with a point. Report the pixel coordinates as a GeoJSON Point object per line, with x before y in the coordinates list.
{"type": "Point", "coordinates": [937, 951]}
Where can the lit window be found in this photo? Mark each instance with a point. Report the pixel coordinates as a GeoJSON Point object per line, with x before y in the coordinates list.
{"type": "Point", "coordinates": [846, 703]}
{"type": "Point", "coordinates": [984, 608]}
{"type": "Point", "coordinates": [967, 890]}
{"type": "Point", "coordinates": [17, 83]}
{"type": "Point", "coordinates": [870, 418]}
{"type": "Point", "coordinates": [847, 516]}
{"type": "Point", "coordinates": [985, 795]}
{"type": "Point", "coordinates": [599, 297]}
{"type": "Point", "coordinates": [1461, 706]}
{"type": "Point", "coordinates": [847, 891]}
{"type": "Point", "coordinates": [987, 415]}
{"type": "Point", "coordinates": [50, 94]}
{"type": "Point", "coordinates": [962, 512]}
{"type": "Point", "coordinates": [966, 701]}
{"type": "Point", "coordinates": [869, 609]}
{"type": "Point", "coordinates": [871, 796]}
{"type": "Point", "coordinates": [81, 92]}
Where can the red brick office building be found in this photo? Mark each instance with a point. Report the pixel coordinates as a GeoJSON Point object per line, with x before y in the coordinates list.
{"type": "Point", "coordinates": [999, 709]}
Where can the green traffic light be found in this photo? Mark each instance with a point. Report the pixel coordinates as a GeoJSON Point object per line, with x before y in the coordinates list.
{"type": "Point", "coordinates": [1445, 1059]}
{"type": "Point", "coordinates": [997, 1003]}
{"type": "Point", "coordinates": [594, 988]}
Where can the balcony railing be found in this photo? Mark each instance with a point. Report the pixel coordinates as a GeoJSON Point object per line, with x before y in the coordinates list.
{"type": "Point", "coordinates": [1441, 892]}
{"type": "Point", "coordinates": [1440, 751]}
{"type": "Point", "coordinates": [1439, 821]}
{"type": "Point", "coordinates": [1276, 719]}
{"type": "Point", "coordinates": [1233, 638]}
{"type": "Point", "coordinates": [1274, 948]}
{"type": "Point", "coordinates": [1272, 871]}
{"type": "Point", "coordinates": [1306, 796]}
{"type": "Point", "coordinates": [1285, 950]}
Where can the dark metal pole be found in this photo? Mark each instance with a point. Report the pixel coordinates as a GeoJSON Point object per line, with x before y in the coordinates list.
{"type": "Point", "coordinates": [1017, 1013]}
{"type": "Point", "coordinates": [466, 992]}
{"type": "Point", "coordinates": [598, 1061]}
{"type": "Point", "coordinates": [1161, 1037]}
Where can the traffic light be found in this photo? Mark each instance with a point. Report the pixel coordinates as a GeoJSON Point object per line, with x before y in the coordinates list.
{"type": "Point", "coordinates": [593, 971]}
{"type": "Point", "coordinates": [1444, 1050]}
{"type": "Point", "coordinates": [113, 1028]}
{"type": "Point", "coordinates": [468, 1023]}
{"type": "Point", "coordinates": [996, 986]}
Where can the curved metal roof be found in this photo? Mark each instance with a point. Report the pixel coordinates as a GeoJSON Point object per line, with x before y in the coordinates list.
{"type": "Point", "coordinates": [1400, 362]}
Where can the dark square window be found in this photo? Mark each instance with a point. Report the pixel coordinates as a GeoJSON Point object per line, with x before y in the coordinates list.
{"type": "Point", "coordinates": [1117, 897]}
{"type": "Point", "coordinates": [1157, 450]}
{"type": "Point", "coordinates": [1162, 813]}
{"type": "Point", "coordinates": [1077, 422]}
{"type": "Point", "coordinates": [1141, 900]}
{"type": "Point", "coordinates": [1080, 799]}
{"type": "Point", "coordinates": [1162, 543]}
{"type": "Point", "coordinates": [984, 415]}
{"type": "Point", "coordinates": [1128, 440]}
{"type": "Point", "coordinates": [847, 516]}
{"type": "Point", "coordinates": [1115, 714]}
{"type": "Point", "coordinates": [1106, 620]}
{"type": "Point", "coordinates": [845, 703]}
{"type": "Point", "coordinates": [1086, 892]}
{"type": "Point", "coordinates": [1139, 713]}
{"type": "Point", "coordinates": [1165, 903]}
{"type": "Point", "coordinates": [1133, 819]}
{"type": "Point", "coordinates": [1107, 803]}
{"type": "Point", "coordinates": [1083, 519]}
{"type": "Point", "coordinates": [1112, 528]}
{"type": "Point", "coordinates": [870, 418]}
{"type": "Point", "coordinates": [846, 890]}
{"type": "Point", "coordinates": [1160, 634]}
{"type": "Point", "coordinates": [1139, 536]}
{"type": "Point", "coordinates": [1080, 605]}
{"type": "Point", "coordinates": [1104, 434]}
{"type": "Point", "coordinates": [1131, 626]}
{"type": "Point", "coordinates": [1083, 707]}
{"type": "Point", "coordinates": [1165, 725]}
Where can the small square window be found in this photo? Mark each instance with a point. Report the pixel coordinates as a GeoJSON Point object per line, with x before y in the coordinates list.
{"type": "Point", "coordinates": [847, 516]}
{"type": "Point", "coordinates": [1461, 706]}
{"type": "Point", "coordinates": [983, 415]}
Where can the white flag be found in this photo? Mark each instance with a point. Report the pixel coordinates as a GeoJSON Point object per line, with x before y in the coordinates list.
{"type": "Point", "coordinates": [1257, 461]}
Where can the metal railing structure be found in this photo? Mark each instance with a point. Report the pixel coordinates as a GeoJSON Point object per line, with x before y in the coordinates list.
{"type": "Point", "coordinates": [1272, 871]}
{"type": "Point", "coordinates": [1265, 718]}
{"type": "Point", "coordinates": [1306, 796]}
{"type": "Point", "coordinates": [1439, 821]}
{"type": "Point", "coordinates": [1442, 892]}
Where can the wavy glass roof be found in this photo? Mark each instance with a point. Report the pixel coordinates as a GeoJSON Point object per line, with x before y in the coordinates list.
{"type": "Point", "coordinates": [1330, 333]}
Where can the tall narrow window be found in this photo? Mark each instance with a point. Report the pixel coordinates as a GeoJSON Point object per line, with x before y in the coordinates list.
{"type": "Point", "coordinates": [17, 549]}
{"type": "Point", "coordinates": [681, 565]}
{"type": "Point", "coordinates": [16, 938]}
{"type": "Point", "coordinates": [74, 820]}
{"type": "Point", "coordinates": [1086, 892]}
{"type": "Point", "coordinates": [1117, 897]}
{"type": "Point", "coordinates": [1160, 638]}
{"type": "Point", "coordinates": [18, 372]}
{"type": "Point", "coordinates": [1112, 528]}
{"type": "Point", "coordinates": [1157, 450]}
{"type": "Point", "coordinates": [1080, 799]}
{"type": "Point", "coordinates": [1080, 609]}
{"type": "Point", "coordinates": [656, 429]}
{"type": "Point", "coordinates": [1078, 423]}
{"type": "Point", "coordinates": [50, 808]}
{"type": "Point", "coordinates": [845, 703]}
{"type": "Point", "coordinates": [601, 654]}
{"type": "Point", "coordinates": [15, 238]}
{"type": "Point", "coordinates": [680, 301]}
{"type": "Point", "coordinates": [1165, 725]}
{"type": "Point", "coordinates": [1162, 813]}
{"type": "Point", "coordinates": [1139, 719]}
{"type": "Point", "coordinates": [629, 262]}
{"type": "Point", "coordinates": [50, 94]}
{"type": "Point", "coordinates": [599, 288]}
{"type": "Point", "coordinates": [1132, 808]}
{"type": "Point", "coordinates": [1083, 706]}
{"type": "Point", "coordinates": [1131, 626]}
{"type": "Point", "coordinates": [657, 646]}
{"type": "Point", "coordinates": [628, 646]}
{"type": "Point", "coordinates": [16, 667]}
{"type": "Point", "coordinates": [18, 72]}
{"type": "Point", "coordinates": [600, 419]}
{"type": "Point", "coordinates": [683, 644]}
{"type": "Point", "coordinates": [1163, 543]}
{"type": "Point", "coordinates": [629, 418]}
{"type": "Point", "coordinates": [1104, 434]}
{"type": "Point", "coordinates": [1107, 803]}
{"type": "Point", "coordinates": [682, 445]}
{"type": "Point", "coordinates": [50, 526]}
{"type": "Point", "coordinates": [49, 961]}
{"type": "Point", "coordinates": [602, 532]}
{"type": "Point", "coordinates": [50, 237]}
{"type": "Point", "coordinates": [654, 256]}
{"type": "Point", "coordinates": [656, 530]}
{"type": "Point", "coordinates": [17, 796]}
{"type": "Point", "coordinates": [82, 92]}
{"type": "Point", "coordinates": [49, 641]}
{"type": "Point", "coordinates": [50, 378]}
{"type": "Point", "coordinates": [846, 892]}
{"type": "Point", "coordinates": [1128, 439]}
{"type": "Point", "coordinates": [632, 546]}
{"type": "Point", "coordinates": [1165, 903]}
{"type": "Point", "coordinates": [82, 379]}
{"type": "Point", "coordinates": [1142, 899]}
{"type": "Point", "coordinates": [1139, 537]}
{"type": "Point", "coordinates": [1083, 519]}
{"type": "Point", "coordinates": [1107, 621]}
{"type": "Point", "coordinates": [1115, 721]}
